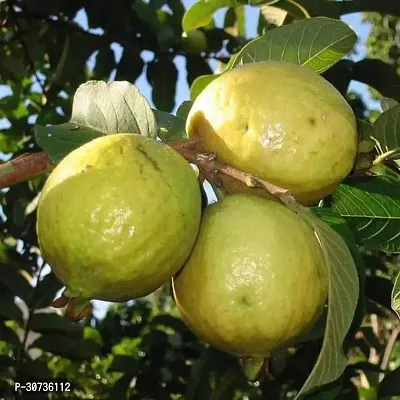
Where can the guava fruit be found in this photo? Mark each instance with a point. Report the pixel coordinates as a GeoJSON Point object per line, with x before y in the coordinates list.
{"type": "Point", "coordinates": [281, 122]}
{"type": "Point", "coordinates": [118, 217]}
{"type": "Point", "coordinates": [256, 279]}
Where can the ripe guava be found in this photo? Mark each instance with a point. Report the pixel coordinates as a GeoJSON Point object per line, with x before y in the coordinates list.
{"type": "Point", "coordinates": [194, 41]}
{"type": "Point", "coordinates": [256, 279]}
{"type": "Point", "coordinates": [281, 122]}
{"type": "Point", "coordinates": [118, 217]}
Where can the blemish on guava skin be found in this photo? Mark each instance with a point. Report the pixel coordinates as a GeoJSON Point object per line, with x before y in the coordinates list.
{"type": "Point", "coordinates": [146, 155]}
{"type": "Point", "coordinates": [244, 300]}
{"type": "Point", "coordinates": [87, 167]}
{"type": "Point", "coordinates": [312, 121]}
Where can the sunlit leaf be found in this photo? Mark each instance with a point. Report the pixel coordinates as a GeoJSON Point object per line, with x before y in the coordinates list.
{"type": "Point", "coordinates": [53, 323]}
{"type": "Point", "coordinates": [200, 83]}
{"type": "Point", "coordinates": [343, 292]}
{"type": "Point", "coordinates": [13, 279]}
{"type": "Point", "coordinates": [387, 103]}
{"type": "Point", "coordinates": [389, 386]}
{"type": "Point", "coordinates": [387, 129]}
{"type": "Point", "coordinates": [317, 43]}
{"type": "Point", "coordinates": [201, 12]}
{"type": "Point", "coordinates": [114, 107]}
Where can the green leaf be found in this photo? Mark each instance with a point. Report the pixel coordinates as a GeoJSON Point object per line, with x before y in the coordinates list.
{"type": "Point", "coordinates": [105, 63]}
{"type": "Point", "coordinates": [130, 65]}
{"type": "Point", "coordinates": [9, 141]}
{"type": "Point", "coordinates": [379, 290]}
{"type": "Point", "coordinates": [227, 383]}
{"type": "Point", "coordinates": [162, 75]}
{"type": "Point", "coordinates": [126, 364]}
{"type": "Point", "coordinates": [340, 75]}
{"type": "Point", "coordinates": [387, 103]}
{"type": "Point", "coordinates": [389, 385]}
{"type": "Point", "coordinates": [365, 129]}
{"type": "Point", "coordinates": [235, 21]}
{"type": "Point", "coordinates": [59, 140]}
{"type": "Point", "coordinates": [35, 369]}
{"type": "Point", "coordinates": [10, 276]}
{"type": "Point", "coordinates": [294, 9]}
{"type": "Point", "coordinates": [371, 206]}
{"type": "Point", "coordinates": [196, 66]}
{"type": "Point", "coordinates": [76, 350]}
{"type": "Point", "coordinates": [396, 296]}
{"type": "Point", "coordinates": [379, 75]}
{"type": "Point", "coordinates": [53, 323]}
{"type": "Point", "coordinates": [343, 294]}
{"type": "Point", "coordinates": [114, 107]}
{"type": "Point", "coordinates": [327, 392]}
{"type": "Point", "coordinates": [269, 18]}
{"type": "Point", "coordinates": [201, 12]}
{"type": "Point", "coordinates": [317, 43]}
{"type": "Point", "coordinates": [184, 109]}
{"type": "Point", "coordinates": [7, 361]}
{"type": "Point", "coordinates": [211, 360]}
{"type": "Point", "coordinates": [170, 127]}
{"type": "Point", "coordinates": [387, 129]}
{"type": "Point", "coordinates": [9, 310]}
{"type": "Point", "coordinates": [121, 387]}
{"type": "Point", "coordinates": [365, 133]}
{"type": "Point", "coordinates": [9, 335]}
{"type": "Point", "coordinates": [199, 85]}
{"type": "Point", "coordinates": [340, 226]}
{"type": "Point", "coordinates": [169, 321]}
{"type": "Point", "coordinates": [46, 290]}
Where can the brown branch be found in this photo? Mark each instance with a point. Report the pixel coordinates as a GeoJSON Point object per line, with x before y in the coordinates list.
{"type": "Point", "coordinates": [29, 166]}
{"type": "Point", "coordinates": [24, 168]}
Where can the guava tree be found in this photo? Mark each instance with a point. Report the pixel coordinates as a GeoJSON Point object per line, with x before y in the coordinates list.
{"type": "Point", "coordinates": [142, 348]}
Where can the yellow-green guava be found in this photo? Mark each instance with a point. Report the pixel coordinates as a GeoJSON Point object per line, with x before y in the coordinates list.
{"type": "Point", "coordinates": [194, 41]}
{"type": "Point", "coordinates": [118, 217]}
{"type": "Point", "coordinates": [256, 279]}
{"type": "Point", "coordinates": [281, 122]}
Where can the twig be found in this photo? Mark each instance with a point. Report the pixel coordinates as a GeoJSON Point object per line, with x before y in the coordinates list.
{"type": "Point", "coordinates": [29, 166]}
{"type": "Point", "coordinates": [20, 35]}
{"type": "Point", "coordinates": [21, 353]}
{"type": "Point", "coordinates": [389, 347]}
{"type": "Point", "coordinates": [210, 167]}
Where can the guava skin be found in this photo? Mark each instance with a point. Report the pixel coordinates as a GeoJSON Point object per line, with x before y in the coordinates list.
{"type": "Point", "coordinates": [118, 217]}
{"type": "Point", "coordinates": [281, 122]}
{"type": "Point", "coordinates": [256, 279]}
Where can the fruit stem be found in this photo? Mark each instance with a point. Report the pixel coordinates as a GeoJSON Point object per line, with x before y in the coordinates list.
{"type": "Point", "coordinates": [210, 167]}
{"type": "Point", "coordinates": [387, 156]}
{"type": "Point", "coordinates": [252, 367]}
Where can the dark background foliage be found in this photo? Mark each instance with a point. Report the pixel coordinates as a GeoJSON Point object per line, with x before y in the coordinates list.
{"type": "Point", "coordinates": [141, 349]}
